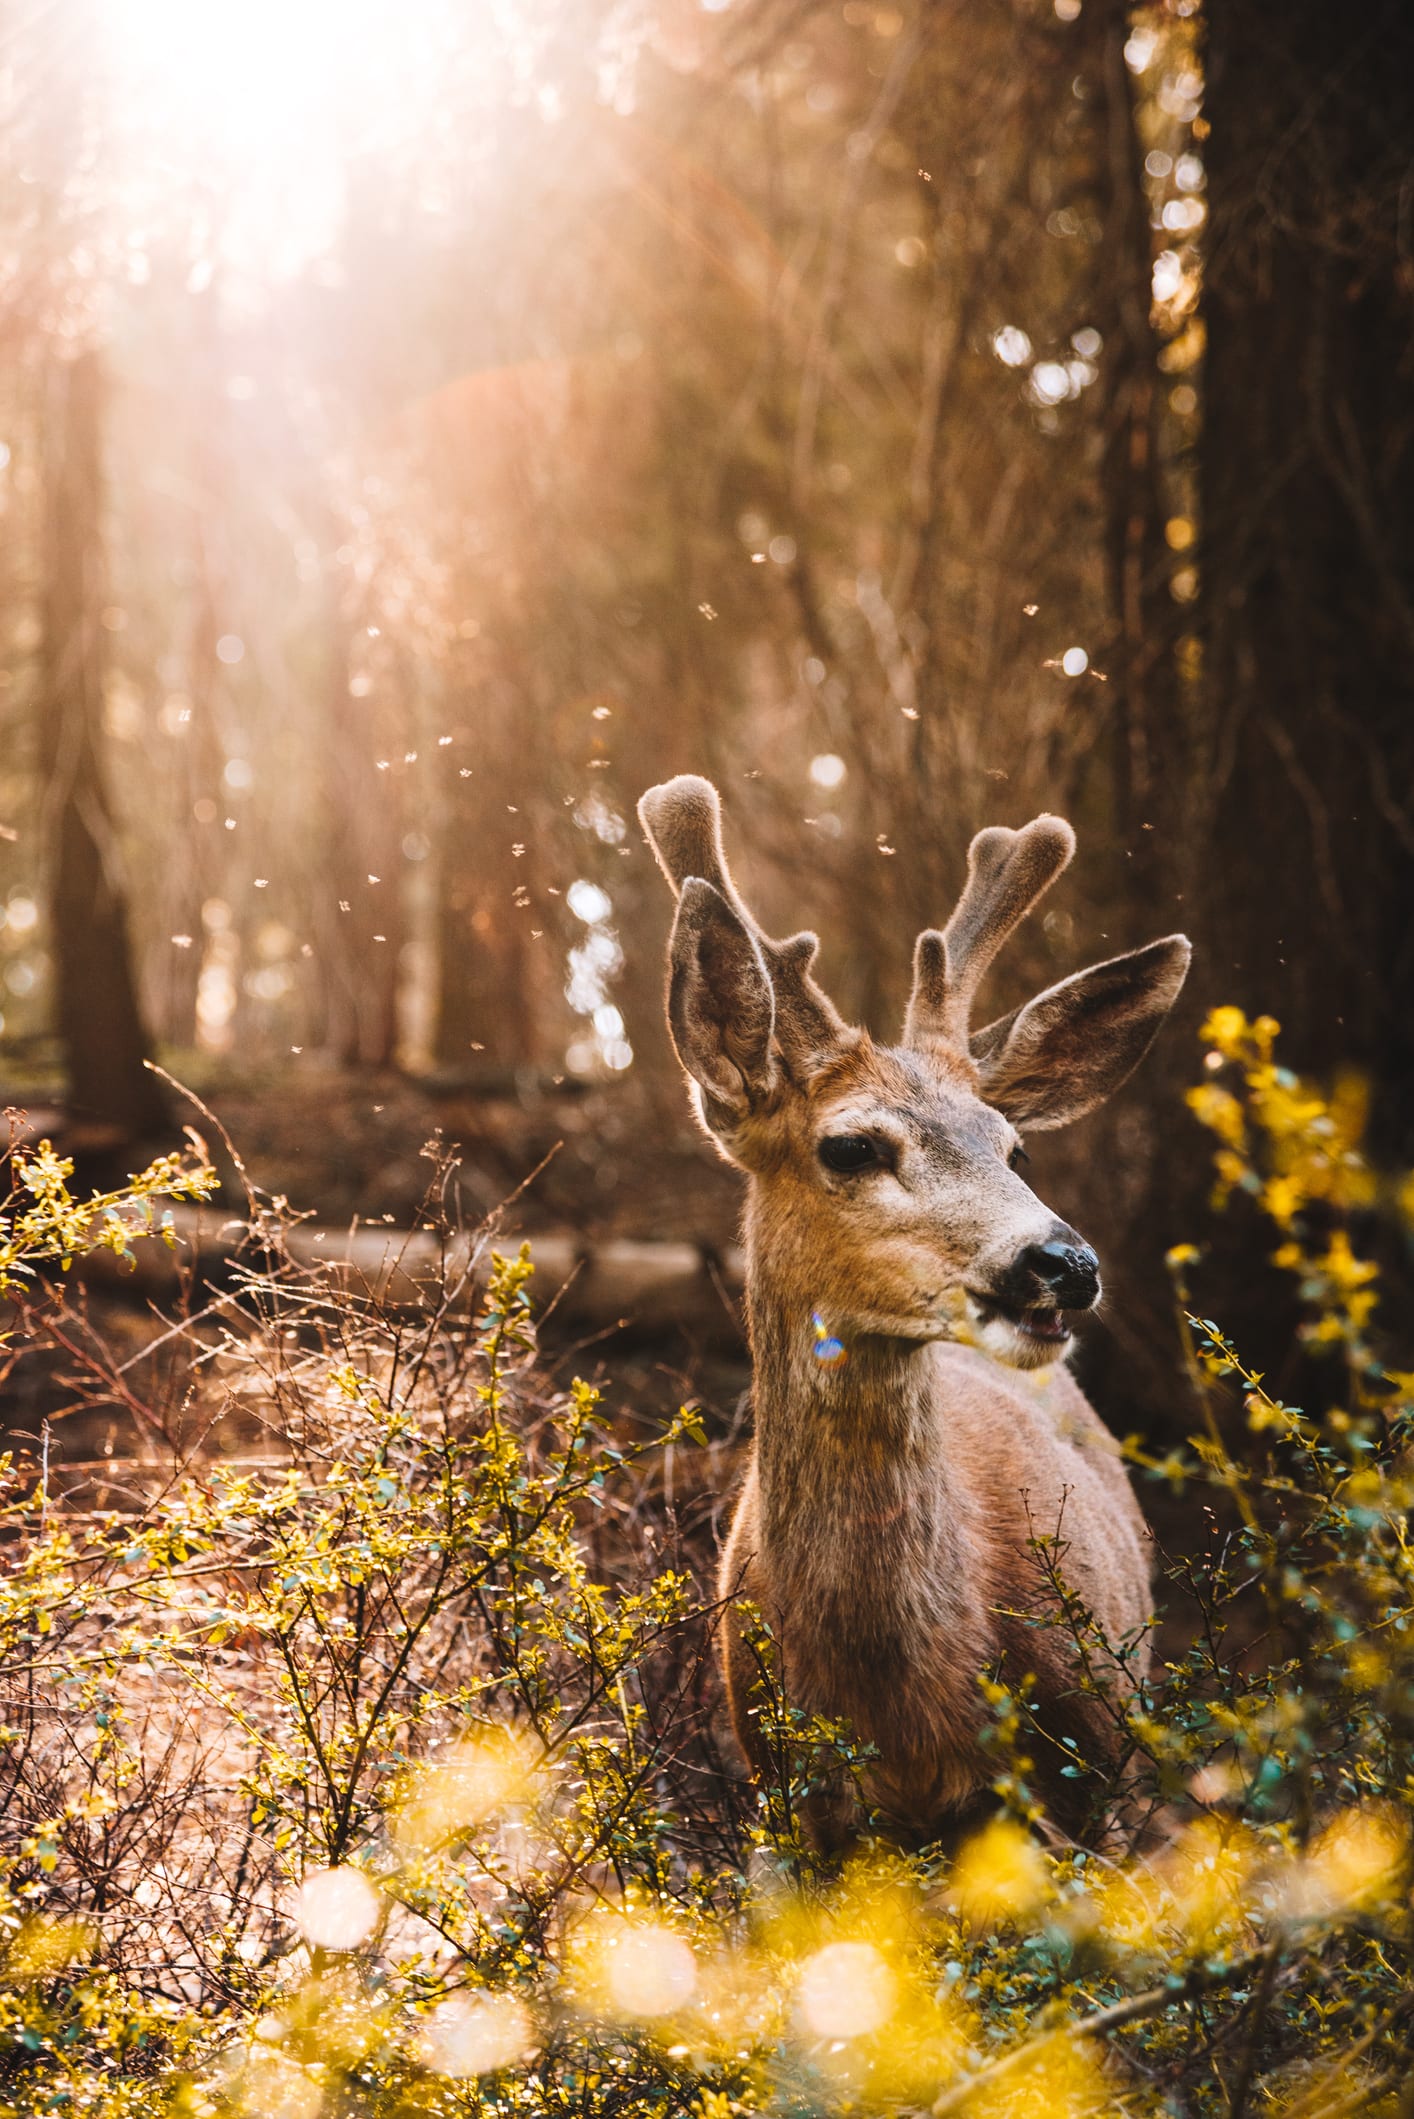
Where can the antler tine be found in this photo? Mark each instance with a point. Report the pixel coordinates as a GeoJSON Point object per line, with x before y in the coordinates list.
{"type": "Point", "coordinates": [1007, 871]}
{"type": "Point", "coordinates": [683, 822]}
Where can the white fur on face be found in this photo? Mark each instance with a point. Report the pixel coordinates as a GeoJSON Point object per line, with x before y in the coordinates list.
{"type": "Point", "coordinates": [1012, 1344]}
{"type": "Point", "coordinates": [957, 1318]}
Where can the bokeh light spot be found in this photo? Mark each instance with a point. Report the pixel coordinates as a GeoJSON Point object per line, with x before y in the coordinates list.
{"type": "Point", "coordinates": [1011, 346]}
{"type": "Point", "coordinates": [473, 2034]}
{"type": "Point", "coordinates": [588, 902]}
{"type": "Point", "coordinates": [846, 1991]}
{"type": "Point", "coordinates": [650, 1971]}
{"type": "Point", "coordinates": [337, 1909]}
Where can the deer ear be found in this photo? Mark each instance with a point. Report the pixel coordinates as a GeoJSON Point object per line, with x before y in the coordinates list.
{"type": "Point", "coordinates": [721, 1008]}
{"type": "Point", "coordinates": [1066, 1051]}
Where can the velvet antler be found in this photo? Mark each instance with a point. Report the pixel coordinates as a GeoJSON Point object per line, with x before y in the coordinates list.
{"type": "Point", "coordinates": [683, 822]}
{"type": "Point", "coordinates": [1007, 871]}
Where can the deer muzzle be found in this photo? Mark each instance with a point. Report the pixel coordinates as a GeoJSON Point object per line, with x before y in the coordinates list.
{"type": "Point", "coordinates": [1043, 1284]}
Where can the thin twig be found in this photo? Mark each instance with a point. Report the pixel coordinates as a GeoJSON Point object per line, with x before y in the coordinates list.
{"type": "Point", "coordinates": [1134, 2009]}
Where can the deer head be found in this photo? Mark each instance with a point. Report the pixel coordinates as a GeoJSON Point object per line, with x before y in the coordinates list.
{"type": "Point", "coordinates": [886, 1195]}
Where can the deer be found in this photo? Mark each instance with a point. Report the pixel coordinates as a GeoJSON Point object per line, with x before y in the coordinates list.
{"type": "Point", "coordinates": [924, 1465]}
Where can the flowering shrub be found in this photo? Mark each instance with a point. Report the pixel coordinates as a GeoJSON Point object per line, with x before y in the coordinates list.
{"type": "Point", "coordinates": [376, 1771]}
{"type": "Point", "coordinates": [42, 1223]}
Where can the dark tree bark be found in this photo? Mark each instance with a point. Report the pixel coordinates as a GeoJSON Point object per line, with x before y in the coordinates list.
{"type": "Point", "coordinates": [1280, 784]}
{"type": "Point", "coordinates": [1307, 859]}
{"type": "Point", "coordinates": [100, 1025]}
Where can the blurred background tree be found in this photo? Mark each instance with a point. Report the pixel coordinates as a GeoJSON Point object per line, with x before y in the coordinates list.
{"type": "Point", "coordinates": [911, 415]}
{"type": "Point", "coordinates": [1305, 753]}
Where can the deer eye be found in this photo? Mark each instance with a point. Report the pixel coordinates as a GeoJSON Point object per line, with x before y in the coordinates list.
{"type": "Point", "coordinates": [849, 1153]}
{"type": "Point", "coordinates": [1017, 1157]}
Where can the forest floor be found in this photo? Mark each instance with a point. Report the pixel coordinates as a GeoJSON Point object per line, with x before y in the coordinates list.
{"type": "Point", "coordinates": [607, 1159]}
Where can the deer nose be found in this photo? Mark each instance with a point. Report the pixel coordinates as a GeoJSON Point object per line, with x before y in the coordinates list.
{"type": "Point", "coordinates": [1066, 1268]}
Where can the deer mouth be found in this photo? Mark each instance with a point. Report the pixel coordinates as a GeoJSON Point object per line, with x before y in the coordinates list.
{"type": "Point", "coordinates": [1046, 1325]}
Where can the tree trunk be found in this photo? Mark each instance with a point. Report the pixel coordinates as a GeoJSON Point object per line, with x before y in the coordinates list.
{"type": "Point", "coordinates": [363, 919]}
{"type": "Point", "coordinates": [1281, 781]}
{"type": "Point", "coordinates": [194, 875]}
{"type": "Point", "coordinates": [99, 1022]}
{"type": "Point", "coordinates": [1308, 517]}
{"type": "Point", "coordinates": [486, 1012]}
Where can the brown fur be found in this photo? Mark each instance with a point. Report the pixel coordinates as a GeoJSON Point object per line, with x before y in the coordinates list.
{"type": "Point", "coordinates": [887, 1520]}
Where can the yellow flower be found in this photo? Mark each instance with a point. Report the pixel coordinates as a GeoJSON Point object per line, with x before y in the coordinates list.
{"type": "Point", "coordinates": [1218, 1110]}
{"type": "Point", "coordinates": [1228, 1031]}
{"type": "Point", "coordinates": [1000, 1877]}
{"type": "Point", "coordinates": [1357, 1864]}
{"type": "Point", "coordinates": [1283, 1198]}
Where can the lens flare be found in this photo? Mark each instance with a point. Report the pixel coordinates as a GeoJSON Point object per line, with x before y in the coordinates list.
{"type": "Point", "coordinates": [828, 1349]}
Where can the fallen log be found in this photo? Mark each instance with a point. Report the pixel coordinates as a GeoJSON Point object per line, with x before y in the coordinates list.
{"type": "Point", "coordinates": [644, 1287]}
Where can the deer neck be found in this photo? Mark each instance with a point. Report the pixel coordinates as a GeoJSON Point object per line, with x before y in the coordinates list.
{"type": "Point", "coordinates": [867, 1549]}
{"type": "Point", "coordinates": [860, 1496]}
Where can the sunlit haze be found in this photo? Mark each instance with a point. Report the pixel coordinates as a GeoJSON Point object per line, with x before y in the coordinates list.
{"type": "Point", "coordinates": [258, 111]}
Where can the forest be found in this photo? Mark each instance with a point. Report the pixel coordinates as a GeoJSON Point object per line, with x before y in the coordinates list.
{"type": "Point", "coordinates": [423, 431]}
